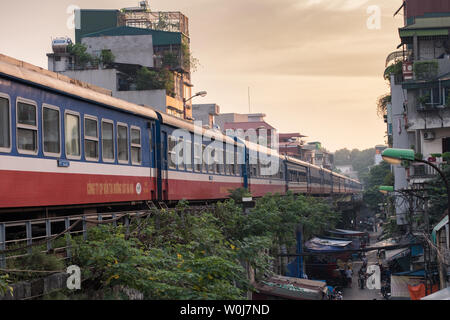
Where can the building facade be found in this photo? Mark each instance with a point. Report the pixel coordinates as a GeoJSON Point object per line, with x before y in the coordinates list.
{"type": "Point", "coordinates": [149, 61]}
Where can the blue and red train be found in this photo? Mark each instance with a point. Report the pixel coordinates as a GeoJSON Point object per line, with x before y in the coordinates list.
{"type": "Point", "coordinates": [64, 145]}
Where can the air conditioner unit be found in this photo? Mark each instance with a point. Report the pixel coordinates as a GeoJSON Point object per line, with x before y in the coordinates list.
{"type": "Point", "coordinates": [428, 135]}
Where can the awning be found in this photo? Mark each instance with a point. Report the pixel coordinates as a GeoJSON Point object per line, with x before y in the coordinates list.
{"type": "Point", "coordinates": [438, 227]}
{"type": "Point", "coordinates": [423, 33]}
{"type": "Point", "coordinates": [320, 244]}
{"type": "Point", "coordinates": [397, 254]}
{"type": "Point", "coordinates": [347, 232]}
{"type": "Point", "coordinates": [443, 294]}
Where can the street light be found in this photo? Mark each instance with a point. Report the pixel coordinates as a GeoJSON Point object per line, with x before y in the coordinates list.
{"type": "Point", "coordinates": [396, 156]}
{"type": "Point", "coordinates": [201, 94]}
{"type": "Point", "coordinates": [386, 189]}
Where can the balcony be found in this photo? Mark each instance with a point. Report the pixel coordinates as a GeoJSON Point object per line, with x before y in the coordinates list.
{"type": "Point", "coordinates": [422, 172]}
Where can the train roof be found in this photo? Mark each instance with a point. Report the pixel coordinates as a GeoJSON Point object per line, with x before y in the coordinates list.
{"type": "Point", "coordinates": [24, 71]}
{"type": "Point", "coordinates": [27, 72]}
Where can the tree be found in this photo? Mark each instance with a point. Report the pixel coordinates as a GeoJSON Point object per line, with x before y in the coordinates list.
{"type": "Point", "coordinates": [177, 254]}
{"type": "Point", "coordinates": [147, 79]}
{"type": "Point", "coordinates": [378, 175]}
{"type": "Point", "coordinates": [382, 103]}
{"type": "Point", "coordinates": [107, 57]}
{"type": "Point", "coordinates": [360, 160]}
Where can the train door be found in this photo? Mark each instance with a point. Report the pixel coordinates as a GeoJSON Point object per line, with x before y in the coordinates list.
{"type": "Point", "coordinates": [153, 160]}
{"type": "Point", "coordinates": [165, 167]}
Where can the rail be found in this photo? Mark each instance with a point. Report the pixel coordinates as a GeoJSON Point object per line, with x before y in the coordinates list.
{"type": "Point", "coordinates": [43, 232]}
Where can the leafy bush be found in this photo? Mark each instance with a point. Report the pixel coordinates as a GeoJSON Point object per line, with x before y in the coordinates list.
{"type": "Point", "coordinates": [425, 70]}
{"type": "Point", "coordinates": [150, 79]}
{"type": "Point", "coordinates": [179, 255]}
{"type": "Point", "coordinates": [38, 261]}
{"type": "Point", "coordinates": [4, 285]}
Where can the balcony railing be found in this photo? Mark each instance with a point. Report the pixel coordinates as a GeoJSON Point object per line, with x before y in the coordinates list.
{"type": "Point", "coordinates": [423, 171]}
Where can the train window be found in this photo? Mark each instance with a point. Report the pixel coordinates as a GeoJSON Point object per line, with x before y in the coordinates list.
{"type": "Point", "coordinates": [188, 155]}
{"type": "Point", "coordinates": [197, 157]}
{"type": "Point", "coordinates": [27, 127]}
{"type": "Point", "coordinates": [90, 138]}
{"type": "Point", "coordinates": [51, 134]}
{"type": "Point", "coordinates": [72, 125]}
{"type": "Point", "coordinates": [108, 141]}
{"type": "Point", "coordinates": [5, 124]}
{"type": "Point", "coordinates": [136, 157]}
{"type": "Point", "coordinates": [229, 163]}
{"type": "Point", "coordinates": [180, 155]}
{"type": "Point", "coordinates": [212, 160]}
{"type": "Point", "coordinates": [204, 168]}
{"type": "Point", "coordinates": [122, 143]}
{"type": "Point", "coordinates": [219, 161]}
{"type": "Point", "coordinates": [237, 167]}
{"type": "Point", "coordinates": [253, 161]}
{"type": "Point", "coordinates": [171, 152]}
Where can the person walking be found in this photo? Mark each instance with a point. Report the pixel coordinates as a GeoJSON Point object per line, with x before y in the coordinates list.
{"type": "Point", "coordinates": [349, 275]}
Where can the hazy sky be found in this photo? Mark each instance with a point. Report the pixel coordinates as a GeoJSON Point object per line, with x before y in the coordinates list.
{"type": "Point", "coordinates": [313, 66]}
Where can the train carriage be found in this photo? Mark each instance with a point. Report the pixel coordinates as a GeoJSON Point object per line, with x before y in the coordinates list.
{"type": "Point", "coordinates": [65, 145]}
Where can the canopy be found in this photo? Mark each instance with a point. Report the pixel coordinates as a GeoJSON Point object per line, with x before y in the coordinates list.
{"type": "Point", "coordinates": [397, 254]}
{"type": "Point", "coordinates": [347, 232]}
{"type": "Point", "coordinates": [443, 294]}
{"type": "Point", "coordinates": [438, 227]}
{"type": "Point", "coordinates": [320, 244]}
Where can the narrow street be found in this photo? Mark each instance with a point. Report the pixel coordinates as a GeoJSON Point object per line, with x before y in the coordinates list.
{"type": "Point", "coordinates": [355, 293]}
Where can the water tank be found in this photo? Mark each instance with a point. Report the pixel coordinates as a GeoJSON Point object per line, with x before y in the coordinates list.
{"type": "Point", "coordinates": [60, 45]}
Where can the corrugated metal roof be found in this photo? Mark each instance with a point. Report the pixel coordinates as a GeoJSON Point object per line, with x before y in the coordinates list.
{"type": "Point", "coordinates": [160, 38]}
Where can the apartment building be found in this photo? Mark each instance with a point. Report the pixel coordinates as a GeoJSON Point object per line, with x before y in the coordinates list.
{"type": "Point", "coordinates": [149, 56]}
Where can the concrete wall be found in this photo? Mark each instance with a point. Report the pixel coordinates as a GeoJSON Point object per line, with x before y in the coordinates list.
{"type": "Point", "coordinates": [435, 145]}
{"type": "Point", "coordinates": [152, 98]}
{"type": "Point", "coordinates": [105, 78]}
{"type": "Point", "coordinates": [37, 287]}
{"type": "Point", "coordinates": [400, 140]}
{"type": "Point", "coordinates": [221, 119]}
{"type": "Point", "coordinates": [58, 66]}
{"type": "Point", "coordinates": [126, 49]}
{"type": "Point", "coordinates": [205, 113]}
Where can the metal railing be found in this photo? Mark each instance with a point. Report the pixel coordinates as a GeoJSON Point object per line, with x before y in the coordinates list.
{"type": "Point", "coordinates": [40, 232]}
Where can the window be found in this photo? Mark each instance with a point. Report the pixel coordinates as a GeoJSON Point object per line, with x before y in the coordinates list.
{"type": "Point", "coordinates": [122, 143]}
{"type": "Point", "coordinates": [197, 157]}
{"type": "Point", "coordinates": [171, 154]}
{"type": "Point", "coordinates": [90, 138]}
{"type": "Point", "coordinates": [27, 127]}
{"type": "Point", "coordinates": [239, 159]}
{"type": "Point", "coordinates": [218, 160]}
{"type": "Point", "coordinates": [204, 169]}
{"type": "Point", "coordinates": [180, 155]}
{"type": "Point", "coordinates": [51, 134]}
{"type": "Point", "coordinates": [212, 160]}
{"type": "Point", "coordinates": [108, 141]}
{"type": "Point", "coordinates": [229, 170]}
{"type": "Point", "coordinates": [188, 155]}
{"type": "Point", "coordinates": [73, 150]}
{"type": "Point", "coordinates": [136, 157]}
{"type": "Point", "coordinates": [5, 124]}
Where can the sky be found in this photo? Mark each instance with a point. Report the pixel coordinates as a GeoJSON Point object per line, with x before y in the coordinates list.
{"type": "Point", "coordinates": [312, 66]}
